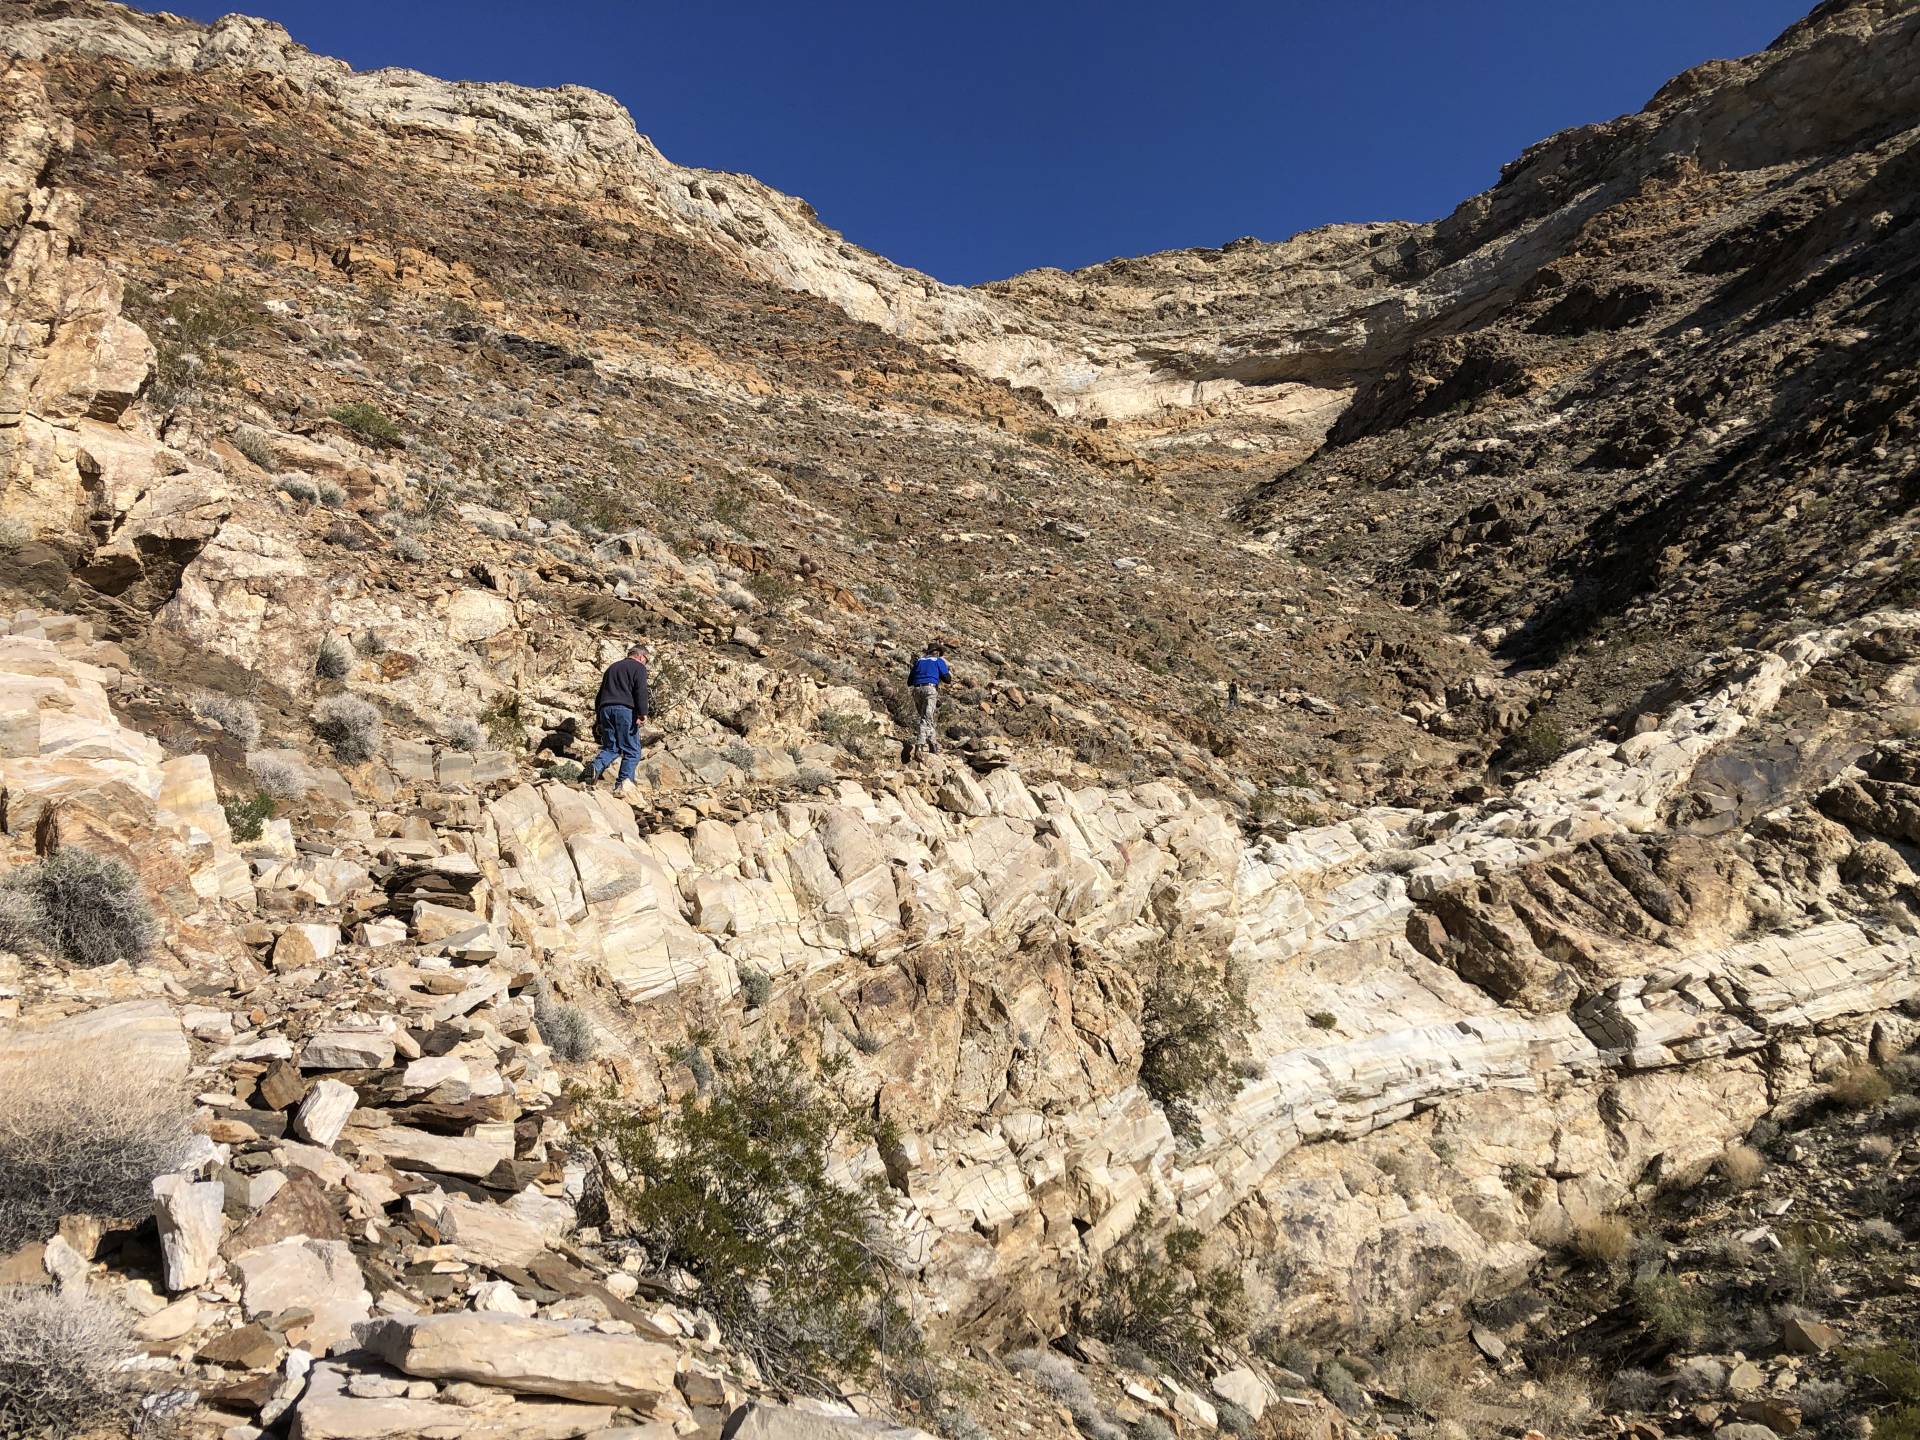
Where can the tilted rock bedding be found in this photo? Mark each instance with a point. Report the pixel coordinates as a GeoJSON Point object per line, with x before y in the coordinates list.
{"type": "Point", "coordinates": [1512, 958]}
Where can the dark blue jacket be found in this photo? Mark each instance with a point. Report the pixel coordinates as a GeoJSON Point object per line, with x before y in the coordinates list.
{"type": "Point", "coordinates": [625, 683]}
{"type": "Point", "coordinates": [929, 670]}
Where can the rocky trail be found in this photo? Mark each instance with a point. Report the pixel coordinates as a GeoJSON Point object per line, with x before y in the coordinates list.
{"type": "Point", "coordinates": [1497, 1021]}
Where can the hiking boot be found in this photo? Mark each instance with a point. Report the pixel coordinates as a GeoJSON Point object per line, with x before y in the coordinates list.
{"type": "Point", "coordinates": [622, 789]}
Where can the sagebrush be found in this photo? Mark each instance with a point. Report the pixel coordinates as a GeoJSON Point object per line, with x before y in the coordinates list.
{"type": "Point", "coordinates": [85, 908]}
{"type": "Point", "coordinates": [350, 725]}
{"type": "Point", "coordinates": [83, 1130]}
{"type": "Point", "coordinates": [61, 1359]}
{"type": "Point", "coordinates": [1157, 1294]}
{"type": "Point", "coordinates": [232, 714]}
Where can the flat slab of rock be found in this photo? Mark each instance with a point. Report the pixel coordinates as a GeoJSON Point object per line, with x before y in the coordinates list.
{"type": "Point", "coordinates": [530, 1357]}
{"type": "Point", "coordinates": [320, 1276]}
{"type": "Point", "coordinates": [470, 1156]}
{"type": "Point", "coordinates": [347, 1050]}
{"type": "Point", "coordinates": [328, 1412]}
{"type": "Point", "coordinates": [782, 1422]}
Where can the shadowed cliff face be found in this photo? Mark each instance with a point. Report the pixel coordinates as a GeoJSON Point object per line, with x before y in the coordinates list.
{"type": "Point", "coordinates": [1562, 826]}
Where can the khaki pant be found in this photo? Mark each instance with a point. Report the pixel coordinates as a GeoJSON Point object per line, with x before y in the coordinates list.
{"type": "Point", "coordinates": [927, 698]}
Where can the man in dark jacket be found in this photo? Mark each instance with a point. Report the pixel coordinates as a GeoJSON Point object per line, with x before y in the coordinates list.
{"type": "Point", "coordinates": [623, 702]}
{"type": "Point", "coordinates": [929, 673]}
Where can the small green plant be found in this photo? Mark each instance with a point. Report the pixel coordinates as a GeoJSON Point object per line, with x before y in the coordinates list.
{"type": "Point", "coordinates": [845, 728]}
{"type": "Point", "coordinates": [1323, 1020]}
{"type": "Point", "coordinates": [1193, 1022]}
{"type": "Point", "coordinates": [506, 723]}
{"type": "Point", "coordinates": [1893, 1368]}
{"type": "Point", "coordinates": [734, 1188]}
{"type": "Point", "coordinates": [730, 503]}
{"type": "Point", "coordinates": [566, 771]}
{"type": "Point", "coordinates": [756, 987]}
{"type": "Point", "coordinates": [88, 909]}
{"type": "Point", "coordinates": [1672, 1310]}
{"type": "Point", "coordinates": [370, 423]}
{"type": "Point", "coordinates": [247, 818]}
{"type": "Point", "coordinates": [193, 330]}
{"type": "Point", "coordinates": [667, 687]}
{"type": "Point", "coordinates": [1156, 1294]}
{"type": "Point", "coordinates": [770, 589]}
{"type": "Point", "coordinates": [1539, 742]}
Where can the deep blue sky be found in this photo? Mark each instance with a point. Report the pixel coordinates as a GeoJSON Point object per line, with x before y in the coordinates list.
{"type": "Point", "coordinates": [973, 141]}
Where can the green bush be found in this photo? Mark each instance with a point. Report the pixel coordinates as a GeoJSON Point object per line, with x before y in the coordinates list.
{"type": "Point", "coordinates": [247, 818]}
{"type": "Point", "coordinates": [733, 1188]}
{"type": "Point", "coordinates": [192, 331]}
{"type": "Point", "coordinates": [88, 909]}
{"type": "Point", "coordinates": [334, 661]}
{"type": "Point", "coordinates": [506, 723]}
{"type": "Point", "coordinates": [1539, 742]}
{"type": "Point", "coordinates": [1674, 1311]}
{"type": "Point", "coordinates": [1156, 1296]}
{"type": "Point", "coordinates": [1193, 1018]}
{"type": "Point", "coordinates": [369, 423]}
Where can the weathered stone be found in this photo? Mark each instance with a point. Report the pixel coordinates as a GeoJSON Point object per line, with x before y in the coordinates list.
{"type": "Point", "coordinates": [324, 1113]}
{"type": "Point", "coordinates": [347, 1050]}
{"type": "Point", "coordinates": [191, 1217]}
{"type": "Point", "coordinates": [536, 1357]}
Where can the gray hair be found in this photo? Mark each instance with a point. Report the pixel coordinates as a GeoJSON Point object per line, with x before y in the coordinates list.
{"type": "Point", "coordinates": [638, 648]}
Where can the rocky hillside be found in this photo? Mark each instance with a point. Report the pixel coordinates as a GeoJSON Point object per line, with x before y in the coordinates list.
{"type": "Point", "coordinates": [1192, 1061]}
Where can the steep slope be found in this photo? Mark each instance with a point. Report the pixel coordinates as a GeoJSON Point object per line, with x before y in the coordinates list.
{"type": "Point", "coordinates": [438, 394]}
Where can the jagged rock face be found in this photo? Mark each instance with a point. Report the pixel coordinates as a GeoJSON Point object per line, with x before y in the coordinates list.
{"type": "Point", "coordinates": [1476, 1021]}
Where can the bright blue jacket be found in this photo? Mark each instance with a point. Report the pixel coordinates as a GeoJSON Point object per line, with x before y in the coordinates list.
{"type": "Point", "coordinates": [929, 670]}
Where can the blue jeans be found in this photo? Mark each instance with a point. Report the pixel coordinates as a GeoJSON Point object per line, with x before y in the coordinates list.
{"type": "Point", "coordinates": [618, 735]}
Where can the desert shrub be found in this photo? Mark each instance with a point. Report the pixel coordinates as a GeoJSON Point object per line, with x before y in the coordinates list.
{"type": "Point", "coordinates": [1056, 1375]}
{"type": "Point", "coordinates": [1336, 1382]}
{"type": "Point", "coordinates": [813, 777]}
{"type": "Point", "coordinates": [13, 534]}
{"type": "Point", "coordinates": [252, 442]}
{"type": "Point", "coordinates": [1193, 1019]}
{"type": "Point", "coordinates": [88, 909]}
{"type": "Point", "coordinates": [276, 777]}
{"type": "Point", "coordinates": [350, 725]}
{"type": "Point", "coordinates": [61, 1357]}
{"type": "Point", "coordinates": [770, 589]}
{"type": "Point", "coordinates": [406, 548]}
{"type": "Point", "coordinates": [1150, 1427]}
{"type": "Point", "coordinates": [346, 535]}
{"type": "Point", "coordinates": [1323, 1020]}
{"type": "Point", "coordinates": [1876, 1147]}
{"type": "Point", "coordinates": [1742, 1166]}
{"type": "Point", "coordinates": [1893, 1369]}
{"type": "Point", "coordinates": [666, 686]}
{"type": "Point", "coordinates": [1603, 1240]}
{"type": "Point", "coordinates": [1634, 1389]}
{"type": "Point", "coordinates": [506, 723]}
{"type": "Point", "coordinates": [756, 987]}
{"type": "Point", "coordinates": [734, 1189]}
{"type": "Point", "coordinates": [329, 493]}
{"type": "Point", "coordinates": [368, 422]}
{"type": "Point", "coordinates": [1539, 742]}
{"type": "Point", "coordinates": [1157, 1295]}
{"type": "Point", "coordinates": [297, 487]}
{"type": "Point", "coordinates": [334, 660]}
{"type": "Point", "coordinates": [371, 643]}
{"type": "Point", "coordinates": [845, 728]}
{"type": "Point", "coordinates": [565, 1028]}
{"type": "Point", "coordinates": [1860, 1086]}
{"type": "Point", "coordinates": [566, 771]}
{"type": "Point", "coordinates": [1882, 1233]}
{"type": "Point", "coordinates": [247, 818]}
{"type": "Point", "coordinates": [466, 734]}
{"type": "Point", "coordinates": [192, 331]}
{"type": "Point", "coordinates": [1234, 1420]}
{"type": "Point", "coordinates": [1562, 1401]}
{"type": "Point", "coordinates": [83, 1130]}
{"type": "Point", "coordinates": [1673, 1310]}
{"type": "Point", "coordinates": [740, 755]}
{"type": "Point", "coordinates": [231, 713]}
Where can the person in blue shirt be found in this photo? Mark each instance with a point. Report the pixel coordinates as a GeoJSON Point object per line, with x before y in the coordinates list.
{"type": "Point", "coordinates": [928, 674]}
